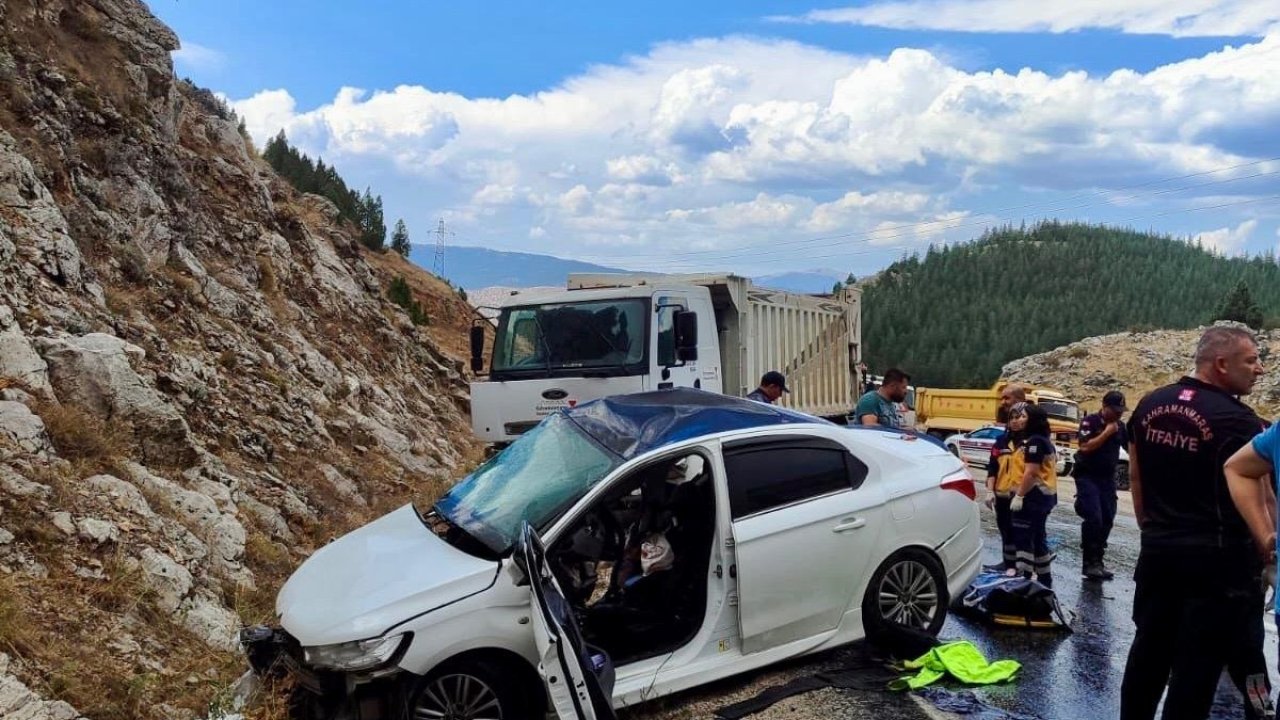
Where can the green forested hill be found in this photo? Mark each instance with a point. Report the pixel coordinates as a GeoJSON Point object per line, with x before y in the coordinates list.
{"type": "Point", "coordinates": [954, 316]}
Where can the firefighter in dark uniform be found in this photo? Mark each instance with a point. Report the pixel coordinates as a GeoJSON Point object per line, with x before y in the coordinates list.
{"type": "Point", "coordinates": [1197, 583]}
{"type": "Point", "coordinates": [1101, 437]}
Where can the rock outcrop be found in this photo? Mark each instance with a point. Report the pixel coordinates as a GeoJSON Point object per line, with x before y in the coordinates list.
{"type": "Point", "coordinates": [201, 378]}
{"type": "Point", "coordinates": [1135, 363]}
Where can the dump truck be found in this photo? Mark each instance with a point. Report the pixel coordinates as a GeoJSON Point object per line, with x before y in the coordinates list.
{"type": "Point", "coordinates": [615, 333]}
{"type": "Point", "coordinates": [944, 411]}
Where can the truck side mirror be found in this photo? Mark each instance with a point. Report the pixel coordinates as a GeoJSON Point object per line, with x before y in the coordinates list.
{"type": "Point", "coordinates": [686, 335]}
{"type": "Point", "coordinates": [477, 348]}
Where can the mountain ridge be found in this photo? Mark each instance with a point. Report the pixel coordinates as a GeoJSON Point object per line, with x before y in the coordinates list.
{"type": "Point", "coordinates": [956, 314]}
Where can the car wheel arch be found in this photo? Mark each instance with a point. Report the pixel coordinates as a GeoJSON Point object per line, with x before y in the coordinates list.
{"type": "Point", "coordinates": [519, 666]}
{"type": "Point", "coordinates": [919, 550]}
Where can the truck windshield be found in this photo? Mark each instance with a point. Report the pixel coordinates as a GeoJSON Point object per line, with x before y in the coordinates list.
{"type": "Point", "coordinates": [1060, 409]}
{"type": "Point", "coordinates": [566, 338]}
{"type": "Point", "coordinates": [535, 480]}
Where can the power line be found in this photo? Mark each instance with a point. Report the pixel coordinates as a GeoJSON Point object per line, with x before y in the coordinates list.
{"type": "Point", "coordinates": [879, 234]}
{"type": "Point", "coordinates": [995, 222]}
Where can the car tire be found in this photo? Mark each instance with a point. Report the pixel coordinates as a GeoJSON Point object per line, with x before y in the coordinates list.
{"type": "Point", "coordinates": [1122, 476]}
{"type": "Point", "coordinates": [473, 688]}
{"type": "Point", "coordinates": [909, 588]}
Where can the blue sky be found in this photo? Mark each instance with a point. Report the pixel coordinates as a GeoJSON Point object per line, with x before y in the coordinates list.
{"type": "Point", "coordinates": [765, 136]}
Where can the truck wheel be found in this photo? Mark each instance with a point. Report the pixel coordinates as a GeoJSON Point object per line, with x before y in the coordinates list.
{"type": "Point", "coordinates": [1122, 476]}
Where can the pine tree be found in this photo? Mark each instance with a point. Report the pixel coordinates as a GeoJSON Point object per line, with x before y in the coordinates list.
{"type": "Point", "coordinates": [373, 230]}
{"type": "Point", "coordinates": [955, 316]}
{"type": "Point", "coordinates": [400, 239]}
{"type": "Point", "coordinates": [1238, 306]}
{"type": "Point", "coordinates": [851, 280]}
{"type": "Point", "coordinates": [400, 293]}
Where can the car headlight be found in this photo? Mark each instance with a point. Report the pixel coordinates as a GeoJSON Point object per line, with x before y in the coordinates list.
{"type": "Point", "coordinates": [351, 656]}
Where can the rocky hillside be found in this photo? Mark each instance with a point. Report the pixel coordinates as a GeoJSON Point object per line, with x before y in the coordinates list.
{"type": "Point", "coordinates": [1134, 363]}
{"type": "Point", "coordinates": [201, 378]}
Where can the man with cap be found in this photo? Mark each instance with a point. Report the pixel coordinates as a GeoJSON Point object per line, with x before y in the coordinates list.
{"type": "Point", "coordinates": [772, 385]}
{"type": "Point", "coordinates": [1101, 437]}
{"type": "Point", "coordinates": [880, 406]}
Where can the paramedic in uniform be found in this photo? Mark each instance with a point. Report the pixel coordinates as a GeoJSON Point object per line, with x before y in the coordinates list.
{"type": "Point", "coordinates": [1197, 584]}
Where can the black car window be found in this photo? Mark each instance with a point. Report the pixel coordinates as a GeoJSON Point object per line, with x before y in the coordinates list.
{"type": "Point", "coordinates": [770, 474]}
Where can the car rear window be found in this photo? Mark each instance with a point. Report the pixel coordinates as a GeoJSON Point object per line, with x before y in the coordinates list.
{"type": "Point", "coordinates": [767, 475]}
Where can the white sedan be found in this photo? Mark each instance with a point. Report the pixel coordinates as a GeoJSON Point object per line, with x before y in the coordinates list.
{"type": "Point", "coordinates": [975, 448]}
{"type": "Point", "coordinates": [623, 550]}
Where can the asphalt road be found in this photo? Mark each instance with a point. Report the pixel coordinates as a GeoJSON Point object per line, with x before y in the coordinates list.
{"type": "Point", "coordinates": [1076, 675]}
{"type": "Point", "coordinates": [1064, 676]}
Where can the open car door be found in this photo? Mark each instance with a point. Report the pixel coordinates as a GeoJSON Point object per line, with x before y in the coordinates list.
{"type": "Point", "coordinates": [579, 679]}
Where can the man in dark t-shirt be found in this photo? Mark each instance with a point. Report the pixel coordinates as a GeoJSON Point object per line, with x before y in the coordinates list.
{"type": "Point", "coordinates": [1101, 437]}
{"type": "Point", "coordinates": [1197, 582]}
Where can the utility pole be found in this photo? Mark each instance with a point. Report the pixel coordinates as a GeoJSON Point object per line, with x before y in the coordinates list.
{"type": "Point", "coordinates": [437, 265]}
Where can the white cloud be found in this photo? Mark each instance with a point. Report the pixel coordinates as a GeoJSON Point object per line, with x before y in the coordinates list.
{"type": "Point", "coordinates": [193, 56]}
{"type": "Point", "coordinates": [761, 211]}
{"type": "Point", "coordinates": [494, 194]}
{"type": "Point", "coordinates": [643, 169]}
{"type": "Point", "coordinates": [735, 143]}
{"type": "Point", "coordinates": [854, 205]}
{"type": "Point", "coordinates": [1227, 241]}
{"type": "Point", "coordinates": [1179, 18]}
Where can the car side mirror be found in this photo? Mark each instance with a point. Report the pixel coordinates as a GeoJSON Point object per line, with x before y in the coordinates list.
{"type": "Point", "coordinates": [477, 348]}
{"type": "Point", "coordinates": [686, 335]}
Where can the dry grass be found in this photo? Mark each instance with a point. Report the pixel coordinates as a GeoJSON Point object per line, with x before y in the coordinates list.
{"type": "Point", "coordinates": [79, 436]}
{"type": "Point", "coordinates": [121, 302]}
{"type": "Point", "coordinates": [60, 625]}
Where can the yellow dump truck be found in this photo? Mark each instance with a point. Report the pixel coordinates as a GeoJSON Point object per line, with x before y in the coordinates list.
{"type": "Point", "coordinates": [945, 411]}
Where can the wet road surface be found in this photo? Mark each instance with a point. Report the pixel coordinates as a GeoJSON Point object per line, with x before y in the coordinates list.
{"type": "Point", "coordinates": [1075, 675]}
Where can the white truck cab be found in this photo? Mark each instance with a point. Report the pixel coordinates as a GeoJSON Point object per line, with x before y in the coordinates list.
{"type": "Point", "coordinates": [613, 334]}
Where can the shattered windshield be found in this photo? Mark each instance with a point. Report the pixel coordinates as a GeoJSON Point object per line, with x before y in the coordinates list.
{"type": "Point", "coordinates": [535, 479]}
{"type": "Point", "coordinates": [607, 335]}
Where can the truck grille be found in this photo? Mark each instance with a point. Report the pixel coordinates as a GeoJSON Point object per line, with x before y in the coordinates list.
{"type": "Point", "coordinates": [519, 428]}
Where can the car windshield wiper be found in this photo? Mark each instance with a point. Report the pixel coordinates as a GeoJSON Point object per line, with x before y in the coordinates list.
{"type": "Point", "coordinates": [447, 529]}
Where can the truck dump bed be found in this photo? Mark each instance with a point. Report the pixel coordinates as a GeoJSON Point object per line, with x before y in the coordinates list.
{"type": "Point", "coordinates": [816, 341]}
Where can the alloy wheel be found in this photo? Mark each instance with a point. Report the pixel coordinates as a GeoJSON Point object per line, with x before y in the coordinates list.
{"type": "Point", "coordinates": [458, 697]}
{"type": "Point", "coordinates": [908, 595]}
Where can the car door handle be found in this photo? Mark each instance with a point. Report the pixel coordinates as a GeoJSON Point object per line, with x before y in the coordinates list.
{"type": "Point", "coordinates": [849, 524]}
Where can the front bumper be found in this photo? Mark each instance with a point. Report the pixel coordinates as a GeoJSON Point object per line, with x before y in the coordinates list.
{"type": "Point", "coordinates": [274, 654]}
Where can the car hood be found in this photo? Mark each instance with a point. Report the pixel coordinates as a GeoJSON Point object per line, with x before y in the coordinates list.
{"type": "Point", "coordinates": [376, 577]}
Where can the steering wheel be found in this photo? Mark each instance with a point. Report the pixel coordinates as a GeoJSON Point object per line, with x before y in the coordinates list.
{"type": "Point", "coordinates": [606, 528]}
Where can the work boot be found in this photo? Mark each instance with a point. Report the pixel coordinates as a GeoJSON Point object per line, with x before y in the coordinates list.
{"type": "Point", "coordinates": [1093, 570]}
{"type": "Point", "coordinates": [1106, 574]}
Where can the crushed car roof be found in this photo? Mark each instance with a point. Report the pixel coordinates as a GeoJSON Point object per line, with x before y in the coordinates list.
{"type": "Point", "coordinates": [631, 425]}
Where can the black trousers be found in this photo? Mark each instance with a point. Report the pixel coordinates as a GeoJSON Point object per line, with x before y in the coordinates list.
{"type": "Point", "coordinates": [1004, 521]}
{"type": "Point", "coordinates": [1196, 613]}
{"type": "Point", "coordinates": [1096, 505]}
{"type": "Point", "coordinates": [1031, 537]}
